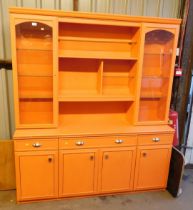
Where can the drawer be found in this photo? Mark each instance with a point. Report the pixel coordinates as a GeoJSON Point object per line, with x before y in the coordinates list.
{"type": "Point", "coordinates": [154, 139]}
{"type": "Point", "coordinates": [36, 144]}
{"type": "Point", "coordinates": [88, 142]}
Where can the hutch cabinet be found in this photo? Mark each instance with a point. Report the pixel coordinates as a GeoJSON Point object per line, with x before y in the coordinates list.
{"type": "Point", "coordinates": [92, 95]}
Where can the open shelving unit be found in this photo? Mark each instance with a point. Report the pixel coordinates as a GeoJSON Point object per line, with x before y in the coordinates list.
{"type": "Point", "coordinates": [97, 75]}
{"type": "Point", "coordinates": [91, 68]}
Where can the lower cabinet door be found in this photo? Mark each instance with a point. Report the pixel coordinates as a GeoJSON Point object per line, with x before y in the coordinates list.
{"type": "Point", "coordinates": [77, 172]}
{"type": "Point", "coordinates": [152, 167]}
{"type": "Point", "coordinates": [37, 175]}
{"type": "Point", "coordinates": [117, 169]}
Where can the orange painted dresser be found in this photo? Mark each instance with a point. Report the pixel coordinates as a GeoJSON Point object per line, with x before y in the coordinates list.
{"type": "Point", "coordinates": [92, 95]}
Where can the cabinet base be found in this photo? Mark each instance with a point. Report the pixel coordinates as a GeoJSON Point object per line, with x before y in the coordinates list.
{"type": "Point", "coordinates": [91, 195]}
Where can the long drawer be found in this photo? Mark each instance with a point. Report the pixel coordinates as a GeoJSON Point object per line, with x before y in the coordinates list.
{"type": "Point", "coordinates": [155, 139]}
{"type": "Point", "coordinates": [36, 144]}
{"type": "Point", "coordinates": [88, 142]}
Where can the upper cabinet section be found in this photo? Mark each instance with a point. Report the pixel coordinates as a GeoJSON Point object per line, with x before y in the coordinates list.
{"type": "Point", "coordinates": [68, 66]}
{"type": "Point", "coordinates": [157, 74]}
{"type": "Point", "coordinates": [98, 41]}
{"type": "Point", "coordinates": [34, 72]}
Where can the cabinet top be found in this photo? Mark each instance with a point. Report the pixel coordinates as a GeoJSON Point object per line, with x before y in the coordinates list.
{"type": "Point", "coordinates": [98, 16]}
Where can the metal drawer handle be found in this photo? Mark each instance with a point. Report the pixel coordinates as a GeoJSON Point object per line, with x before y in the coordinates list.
{"type": "Point", "coordinates": [80, 143]}
{"type": "Point", "coordinates": [118, 141]}
{"type": "Point", "coordinates": [156, 139]}
{"type": "Point", "coordinates": [36, 144]}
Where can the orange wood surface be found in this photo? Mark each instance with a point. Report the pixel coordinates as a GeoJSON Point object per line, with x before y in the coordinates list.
{"type": "Point", "coordinates": [30, 145]}
{"type": "Point", "coordinates": [37, 175]}
{"type": "Point", "coordinates": [107, 141]}
{"type": "Point", "coordinates": [152, 167]}
{"type": "Point", "coordinates": [78, 172]}
{"type": "Point", "coordinates": [155, 139]}
{"type": "Point", "coordinates": [117, 169]}
{"type": "Point", "coordinates": [88, 86]}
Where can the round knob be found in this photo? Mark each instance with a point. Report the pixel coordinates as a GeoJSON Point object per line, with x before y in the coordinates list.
{"type": "Point", "coordinates": [144, 154]}
{"type": "Point", "coordinates": [92, 157]}
{"type": "Point", "coordinates": [106, 156]}
{"type": "Point", "coordinates": [50, 159]}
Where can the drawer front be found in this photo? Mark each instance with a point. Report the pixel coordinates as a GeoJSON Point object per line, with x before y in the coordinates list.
{"type": "Point", "coordinates": [155, 139]}
{"type": "Point", "coordinates": [86, 142]}
{"type": "Point", "coordinates": [36, 144]}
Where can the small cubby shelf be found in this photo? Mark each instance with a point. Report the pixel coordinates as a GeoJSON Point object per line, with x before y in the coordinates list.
{"type": "Point", "coordinates": [96, 80]}
{"type": "Point", "coordinates": [98, 41]}
{"type": "Point", "coordinates": [95, 116]}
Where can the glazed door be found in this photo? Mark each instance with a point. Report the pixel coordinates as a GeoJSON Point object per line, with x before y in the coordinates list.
{"type": "Point", "coordinates": [157, 74]}
{"type": "Point", "coordinates": [34, 67]}
{"type": "Point", "coordinates": [37, 175]}
{"type": "Point", "coordinates": [117, 169]}
{"type": "Point", "coordinates": [152, 167]}
{"type": "Point", "coordinates": [77, 172]}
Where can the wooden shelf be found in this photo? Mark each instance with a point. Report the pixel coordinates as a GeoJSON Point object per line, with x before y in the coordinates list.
{"type": "Point", "coordinates": [117, 74]}
{"type": "Point", "coordinates": [95, 54]}
{"type": "Point", "coordinates": [35, 49]}
{"type": "Point", "coordinates": [88, 39]}
{"type": "Point", "coordinates": [35, 94]}
{"type": "Point", "coordinates": [94, 124]}
{"type": "Point", "coordinates": [92, 96]}
{"type": "Point", "coordinates": [148, 94]}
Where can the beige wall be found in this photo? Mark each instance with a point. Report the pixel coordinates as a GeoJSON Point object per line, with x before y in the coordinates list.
{"type": "Point", "coordinates": [161, 8]}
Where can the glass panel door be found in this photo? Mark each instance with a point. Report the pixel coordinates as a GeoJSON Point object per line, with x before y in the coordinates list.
{"type": "Point", "coordinates": [34, 52]}
{"type": "Point", "coordinates": [156, 75]}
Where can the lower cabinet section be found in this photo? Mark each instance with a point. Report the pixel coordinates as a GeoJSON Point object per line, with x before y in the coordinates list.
{"type": "Point", "coordinates": [152, 167]}
{"type": "Point", "coordinates": [117, 169]}
{"type": "Point", "coordinates": [78, 172]}
{"type": "Point", "coordinates": [37, 175]}
{"type": "Point", "coordinates": [45, 170]}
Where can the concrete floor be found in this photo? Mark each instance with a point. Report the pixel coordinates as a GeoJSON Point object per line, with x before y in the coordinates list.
{"type": "Point", "coordinates": [139, 201]}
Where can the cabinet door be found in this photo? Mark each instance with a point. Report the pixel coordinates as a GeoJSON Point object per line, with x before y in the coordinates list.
{"type": "Point", "coordinates": [117, 169]}
{"type": "Point", "coordinates": [152, 167]}
{"type": "Point", "coordinates": [77, 172]}
{"type": "Point", "coordinates": [34, 71]}
{"type": "Point", "coordinates": [37, 175]}
{"type": "Point", "coordinates": [157, 73]}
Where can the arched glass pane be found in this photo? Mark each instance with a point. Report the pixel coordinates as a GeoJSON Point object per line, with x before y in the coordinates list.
{"type": "Point", "coordinates": [158, 51]}
{"type": "Point", "coordinates": [34, 52]}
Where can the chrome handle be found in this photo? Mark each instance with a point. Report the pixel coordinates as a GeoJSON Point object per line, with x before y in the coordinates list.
{"type": "Point", "coordinates": [156, 139]}
{"type": "Point", "coordinates": [36, 144]}
{"type": "Point", "coordinates": [80, 143]}
{"type": "Point", "coordinates": [118, 141]}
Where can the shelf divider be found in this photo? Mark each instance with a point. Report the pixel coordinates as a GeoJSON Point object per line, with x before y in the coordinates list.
{"type": "Point", "coordinates": [100, 77]}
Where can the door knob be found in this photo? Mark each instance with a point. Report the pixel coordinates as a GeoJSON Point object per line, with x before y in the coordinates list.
{"type": "Point", "coordinates": [92, 157]}
{"type": "Point", "coordinates": [50, 159]}
{"type": "Point", "coordinates": [106, 156]}
{"type": "Point", "coordinates": [144, 154]}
